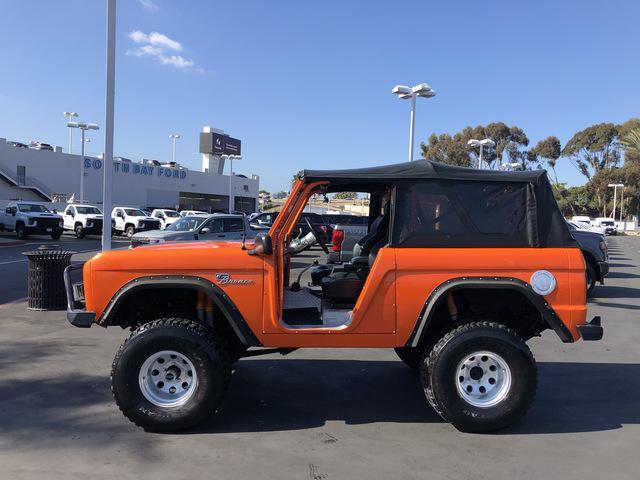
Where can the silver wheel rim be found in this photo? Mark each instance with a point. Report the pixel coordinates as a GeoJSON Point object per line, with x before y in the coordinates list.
{"type": "Point", "coordinates": [168, 379]}
{"type": "Point", "coordinates": [483, 379]}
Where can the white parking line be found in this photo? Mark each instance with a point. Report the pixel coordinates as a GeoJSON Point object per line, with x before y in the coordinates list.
{"type": "Point", "coordinates": [14, 261]}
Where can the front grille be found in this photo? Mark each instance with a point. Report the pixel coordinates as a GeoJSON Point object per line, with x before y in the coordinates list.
{"type": "Point", "coordinates": [150, 224]}
{"type": "Point", "coordinates": [48, 222]}
{"type": "Point", "coordinates": [95, 223]}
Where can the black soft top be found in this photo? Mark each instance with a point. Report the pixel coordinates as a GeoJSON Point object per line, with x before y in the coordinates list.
{"type": "Point", "coordinates": [545, 225]}
{"type": "Point", "coordinates": [419, 169]}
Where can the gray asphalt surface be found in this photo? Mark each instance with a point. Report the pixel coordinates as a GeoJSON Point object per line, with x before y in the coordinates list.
{"type": "Point", "coordinates": [323, 414]}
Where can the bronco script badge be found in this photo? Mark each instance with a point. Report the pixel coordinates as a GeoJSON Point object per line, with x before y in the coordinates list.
{"type": "Point", "coordinates": [225, 279]}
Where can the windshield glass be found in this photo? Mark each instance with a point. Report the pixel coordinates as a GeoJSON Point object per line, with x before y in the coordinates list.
{"type": "Point", "coordinates": [171, 213]}
{"type": "Point", "coordinates": [134, 212]}
{"type": "Point", "coordinates": [608, 223]}
{"type": "Point", "coordinates": [32, 207]}
{"type": "Point", "coordinates": [186, 224]}
{"type": "Point", "coordinates": [88, 211]}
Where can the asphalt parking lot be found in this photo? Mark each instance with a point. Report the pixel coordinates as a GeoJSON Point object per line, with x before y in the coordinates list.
{"type": "Point", "coordinates": [317, 414]}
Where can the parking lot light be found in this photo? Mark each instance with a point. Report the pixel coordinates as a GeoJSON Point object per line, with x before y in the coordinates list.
{"type": "Point", "coordinates": [83, 128]}
{"type": "Point", "coordinates": [174, 137]}
{"type": "Point", "coordinates": [486, 142]}
{"type": "Point", "coordinates": [69, 116]}
{"type": "Point", "coordinates": [403, 92]}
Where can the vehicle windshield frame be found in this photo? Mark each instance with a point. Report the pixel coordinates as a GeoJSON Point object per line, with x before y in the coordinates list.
{"type": "Point", "coordinates": [138, 212]}
{"type": "Point", "coordinates": [95, 212]}
{"type": "Point", "coordinates": [177, 225]}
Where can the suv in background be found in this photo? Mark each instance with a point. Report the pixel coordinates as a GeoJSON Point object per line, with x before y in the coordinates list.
{"type": "Point", "coordinates": [165, 216]}
{"type": "Point", "coordinates": [218, 226]}
{"type": "Point", "coordinates": [83, 219]}
{"type": "Point", "coordinates": [595, 251]}
{"type": "Point", "coordinates": [27, 218]}
{"type": "Point", "coordinates": [40, 146]}
{"type": "Point", "coordinates": [462, 268]}
{"type": "Point", "coordinates": [131, 220]}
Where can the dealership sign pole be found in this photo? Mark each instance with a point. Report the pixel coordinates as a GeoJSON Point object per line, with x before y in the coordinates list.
{"type": "Point", "coordinates": [108, 124]}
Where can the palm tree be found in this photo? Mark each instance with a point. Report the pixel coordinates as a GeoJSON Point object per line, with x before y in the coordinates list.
{"type": "Point", "coordinates": [631, 142]}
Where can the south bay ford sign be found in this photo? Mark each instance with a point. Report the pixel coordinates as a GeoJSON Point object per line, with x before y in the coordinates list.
{"type": "Point", "coordinates": [138, 169]}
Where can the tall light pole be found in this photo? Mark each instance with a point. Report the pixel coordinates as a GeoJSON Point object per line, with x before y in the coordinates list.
{"type": "Point", "coordinates": [83, 128]}
{"type": "Point", "coordinates": [411, 93]}
{"type": "Point", "coordinates": [487, 142]}
{"type": "Point", "coordinates": [108, 124]}
{"type": "Point", "coordinates": [174, 137]}
{"type": "Point", "coordinates": [615, 194]}
{"type": "Point", "coordinates": [69, 116]}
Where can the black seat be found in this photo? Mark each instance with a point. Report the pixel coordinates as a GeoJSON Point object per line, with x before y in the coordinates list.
{"type": "Point", "coordinates": [344, 286]}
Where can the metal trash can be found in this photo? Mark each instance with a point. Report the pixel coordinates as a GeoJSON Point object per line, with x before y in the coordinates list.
{"type": "Point", "coordinates": [46, 279]}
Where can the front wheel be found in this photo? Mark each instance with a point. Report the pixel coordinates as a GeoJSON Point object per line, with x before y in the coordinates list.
{"type": "Point", "coordinates": [129, 231]}
{"type": "Point", "coordinates": [56, 235]}
{"type": "Point", "coordinates": [169, 375]}
{"type": "Point", "coordinates": [79, 231]}
{"type": "Point", "coordinates": [21, 232]}
{"type": "Point", "coordinates": [481, 377]}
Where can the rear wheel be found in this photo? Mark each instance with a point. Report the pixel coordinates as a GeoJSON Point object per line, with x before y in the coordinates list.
{"type": "Point", "coordinates": [170, 374]}
{"type": "Point", "coordinates": [590, 273]}
{"type": "Point", "coordinates": [481, 377]}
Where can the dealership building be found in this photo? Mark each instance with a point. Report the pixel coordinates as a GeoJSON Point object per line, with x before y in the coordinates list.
{"type": "Point", "coordinates": [54, 176]}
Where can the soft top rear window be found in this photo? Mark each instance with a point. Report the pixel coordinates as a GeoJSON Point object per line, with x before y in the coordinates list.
{"type": "Point", "coordinates": [442, 213]}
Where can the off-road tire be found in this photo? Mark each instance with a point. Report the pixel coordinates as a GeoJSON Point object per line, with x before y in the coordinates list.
{"type": "Point", "coordinates": [590, 273]}
{"type": "Point", "coordinates": [129, 231]}
{"type": "Point", "coordinates": [21, 232]}
{"type": "Point", "coordinates": [410, 356]}
{"type": "Point", "coordinates": [208, 356]}
{"type": "Point", "coordinates": [438, 374]}
{"type": "Point", "coordinates": [79, 231]}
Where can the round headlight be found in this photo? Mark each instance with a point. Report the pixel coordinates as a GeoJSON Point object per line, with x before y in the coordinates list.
{"type": "Point", "coordinates": [543, 282]}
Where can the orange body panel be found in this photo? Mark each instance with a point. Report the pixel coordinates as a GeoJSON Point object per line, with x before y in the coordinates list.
{"type": "Point", "coordinates": [393, 296]}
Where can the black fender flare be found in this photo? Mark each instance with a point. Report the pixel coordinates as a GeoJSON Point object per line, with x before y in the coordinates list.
{"type": "Point", "coordinates": [439, 293]}
{"type": "Point", "coordinates": [219, 297]}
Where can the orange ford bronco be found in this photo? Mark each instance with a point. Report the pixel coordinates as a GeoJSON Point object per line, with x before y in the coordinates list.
{"type": "Point", "coordinates": [459, 269]}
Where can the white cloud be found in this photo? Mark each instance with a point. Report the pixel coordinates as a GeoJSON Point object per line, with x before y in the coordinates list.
{"type": "Point", "coordinates": [149, 5]}
{"type": "Point", "coordinates": [160, 47]}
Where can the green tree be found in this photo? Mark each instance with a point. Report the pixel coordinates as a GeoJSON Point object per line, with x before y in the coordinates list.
{"type": "Point", "coordinates": [280, 195]}
{"type": "Point", "coordinates": [594, 148]}
{"type": "Point", "coordinates": [345, 196]}
{"type": "Point", "coordinates": [548, 150]}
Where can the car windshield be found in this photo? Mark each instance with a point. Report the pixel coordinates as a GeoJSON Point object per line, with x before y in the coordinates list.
{"type": "Point", "coordinates": [608, 223]}
{"type": "Point", "coordinates": [88, 211]}
{"type": "Point", "coordinates": [171, 213]}
{"type": "Point", "coordinates": [32, 207]}
{"type": "Point", "coordinates": [186, 224]}
{"type": "Point", "coordinates": [134, 212]}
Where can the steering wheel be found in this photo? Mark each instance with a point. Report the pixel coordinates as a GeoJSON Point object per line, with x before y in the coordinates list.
{"type": "Point", "coordinates": [316, 235]}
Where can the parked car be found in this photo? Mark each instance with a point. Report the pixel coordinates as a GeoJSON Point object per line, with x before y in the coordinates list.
{"type": "Point", "coordinates": [218, 226]}
{"type": "Point", "coordinates": [188, 213]}
{"type": "Point", "coordinates": [40, 146]}
{"type": "Point", "coordinates": [266, 219]}
{"type": "Point", "coordinates": [83, 219]}
{"type": "Point", "coordinates": [131, 220]}
{"type": "Point", "coordinates": [165, 216]}
{"type": "Point", "coordinates": [27, 218]}
{"type": "Point", "coordinates": [17, 144]}
{"type": "Point", "coordinates": [345, 240]}
{"type": "Point", "coordinates": [608, 224]}
{"type": "Point", "coordinates": [342, 219]}
{"type": "Point", "coordinates": [467, 267]}
{"type": "Point", "coordinates": [596, 254]}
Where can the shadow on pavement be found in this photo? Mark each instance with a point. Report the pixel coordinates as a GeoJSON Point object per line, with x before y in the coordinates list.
{"type": "Point", "coordinates": [613, 291]}
{"type": "Point", "coordinates": [277, 395]}
{"type": "Point", "coordinates": [616, 274]}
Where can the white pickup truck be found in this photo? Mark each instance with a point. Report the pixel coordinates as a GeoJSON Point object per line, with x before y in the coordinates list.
{"type": "Point", "coordinates": [165, 216]}
{"type": "Point", "coordinates": [83, 219]}
{"type": "Point", "coordinates": [131, 220]}
{"type": "Point", "coordinates": [26, 218]}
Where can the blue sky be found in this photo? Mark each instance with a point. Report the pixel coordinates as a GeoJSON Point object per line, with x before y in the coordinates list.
{"type": "Point", "coordinates": [307, 84]}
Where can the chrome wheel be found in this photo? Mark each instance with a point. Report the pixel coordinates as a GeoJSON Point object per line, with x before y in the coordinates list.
{"type": "Point", "coordinates": [168, 379]}
{"type": "Point", "coordinates": [483, 379]}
